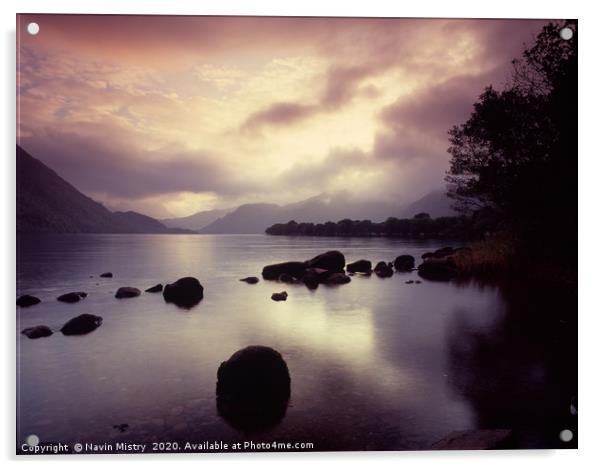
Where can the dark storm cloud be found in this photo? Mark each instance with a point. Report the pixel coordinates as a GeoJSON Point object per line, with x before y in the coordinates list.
{"type": "Point", "coordinates": [408, 48]}
{"type": "Point", "coordinates": [341, 84]}
{"type": "Point", "coordinates": [417, 126]}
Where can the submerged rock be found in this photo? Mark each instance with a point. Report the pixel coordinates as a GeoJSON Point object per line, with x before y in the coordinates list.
{"type": "Point", "coordinates": [282, 296]}
{"type": "Point", "coordinates": [333, 261]}
{"type": "Point", "coordinates": [107, 275]}
{"type": "Point", "coordinates": [253, 388]}
{"type": "Point", "coordinates": [82, 324]}
{"type": "Point", "coordinates": [122, 427]}
{"type": "Point", "coordinates": [274, 271]}
{"type": "Point", "coordinates": [185, 292]}
{"type": "Point", "coordinates": [72, 297]}
{"type": "Point", "coordinates": [156, 289]}
{"type": "Point", "coordinates": [25, 301]}
{"type": "Point", "coordinates": [364, 266]}
{"type": "Point", "coordinates": [127, 292]}
{"type": "Point", "coordinates": [36, 332]}
{"type": "Point", "coordinates": [409, 282]}
{"type": "Point", "coordinates": [338, 278]}
{"type": "Point", "coordinates": [404, 263]}
{"type": "Point", "coordinates": [437, 269]}
{"type": "Point", "coordinates": [250, 280]}
{"type": "Point", "coordinates": [287, 278]}
{"type": "Point", "coordinates": [383, 269]}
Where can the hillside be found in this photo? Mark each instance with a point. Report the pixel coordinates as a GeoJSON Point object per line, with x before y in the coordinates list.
{"type": "Point", "coordinates": [46, 203]}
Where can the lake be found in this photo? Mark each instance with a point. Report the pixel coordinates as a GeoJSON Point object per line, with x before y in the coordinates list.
{"type": "Point", "coordinates": [375, 364]}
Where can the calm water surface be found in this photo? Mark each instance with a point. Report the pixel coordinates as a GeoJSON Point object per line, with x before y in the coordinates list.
{"type": "Point", "coordinates": [375, 364]}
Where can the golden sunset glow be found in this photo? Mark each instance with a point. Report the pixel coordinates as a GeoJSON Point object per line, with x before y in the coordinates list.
{"type": "Point", "coordinates": [172, 115]}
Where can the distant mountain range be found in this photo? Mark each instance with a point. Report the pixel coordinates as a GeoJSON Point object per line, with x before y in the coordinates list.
{"type": "Point", "coordinates": [196, 221]}
{"type": "Point", "coordinates": [46, 203]}
{"type": "Point", "coordinates": [255, 218]}
{"type": "Point", "coordinates": [436, 204]}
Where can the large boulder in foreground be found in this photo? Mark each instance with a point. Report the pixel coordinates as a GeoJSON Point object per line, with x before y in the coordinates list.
{"type": "Point", "coordinates": [36, 332]}
{"type": "Point", "coordinates": [404, 263]}
{"type": "Point", "coordinates": [127, 292]}
{"type": "Point", "coordinates": [185, 292]}
{"type": "Point", "coordinates": [27, 300]}
{"type": "Point", "coordinates": [333, 261]}
{"type": "Point", "coordinates": [82, 324]}
{"type": "Point", "coordinates": [274, 271]}
{"type": "Point", "coordinates": [253, 387]}
{"type": "Point", "coordinates": [437, 269]}
{"type": "Point", "coordinates": [72, 297]}
{"type": "Point", "coordinates": [363, 266]}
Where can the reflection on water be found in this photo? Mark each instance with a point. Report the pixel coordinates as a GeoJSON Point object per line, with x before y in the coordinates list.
{"type": "Point", "coordinates": [375, 364]}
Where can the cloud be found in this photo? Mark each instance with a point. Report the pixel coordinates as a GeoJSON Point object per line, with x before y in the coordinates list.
{"type": "Point", "coordinates": [190, 113]}
{"type": "Point", "coordinates": [278, 114]}
{"type": "Point", "coordinates": [120, 170]}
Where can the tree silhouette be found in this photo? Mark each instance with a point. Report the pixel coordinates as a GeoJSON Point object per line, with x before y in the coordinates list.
{"type": "Point", "coordinates": [517, 153]}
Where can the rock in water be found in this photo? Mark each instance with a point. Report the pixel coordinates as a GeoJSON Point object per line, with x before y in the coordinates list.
{"type": "Point", "coordinates": [333, 261]}
{"type": "Point", "coordinates": [72, 297]}
{"type": "Point", "coordinates": [185, 292]}
{"type": "Point", "coordinates": [37, 331]}
{"type": "Point", "coordinates": [27, 300]}
{"type": "Point", "coordinates": [156, 289]}
{"type": "Point", "coordinates": [272, 272]}
{"type": "Point", "coordinates": [253, 388]}
{"type": "Point", "coordinates": [439, 253]}
{"type": "Point", "coordinates": [338, 278]}
{"type": "Point", "coordinates": [383, 269]}
{"type": "Point", "coordinates": [364, 266]}
{"type": "Point", "coordinates": [82, 324]}
{"type": "Point", "coordinates": [311, 279]}
{"type": "Point", "coordinates": [437, 269]}
{"type": "Point", "coordinates": [282, 296]}
{"type": "Point", "coordinates": [127, 292]}
{"type": "Point", "coordinates": [287, 278]}
{"type": "Point", "coordinates": [107, 275]}
{"type": "Point", "coordinates": [404, 263]}
{"type": "Point", "coordinates": [250, 280]}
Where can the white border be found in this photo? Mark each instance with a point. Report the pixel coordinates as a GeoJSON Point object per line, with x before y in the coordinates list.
{"type": "Point", "coordinates": [590, 309]}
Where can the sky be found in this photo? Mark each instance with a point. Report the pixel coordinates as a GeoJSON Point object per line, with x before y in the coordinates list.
{"type": "Point", "coordinates": [169, 115]}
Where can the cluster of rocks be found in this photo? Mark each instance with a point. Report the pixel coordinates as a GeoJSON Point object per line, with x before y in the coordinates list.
{"type": "Point", "coordinates": [328, 269]}
{"type": "Point", "coordinates": [79, 325]}
{"type": "Point", "coordinates": [185, 292]}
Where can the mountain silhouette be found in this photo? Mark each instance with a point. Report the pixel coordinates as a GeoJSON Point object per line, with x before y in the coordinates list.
{"type": "Point", "coordinates": [46, 203]}
{"type": "Point", "coordinates": [255, 218]}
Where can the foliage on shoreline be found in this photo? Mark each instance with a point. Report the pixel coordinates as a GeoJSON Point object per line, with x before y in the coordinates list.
{"type": "Point", "coordinates": [422, 226]}
{"type": "Point", "coordinates": [489, 259]}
